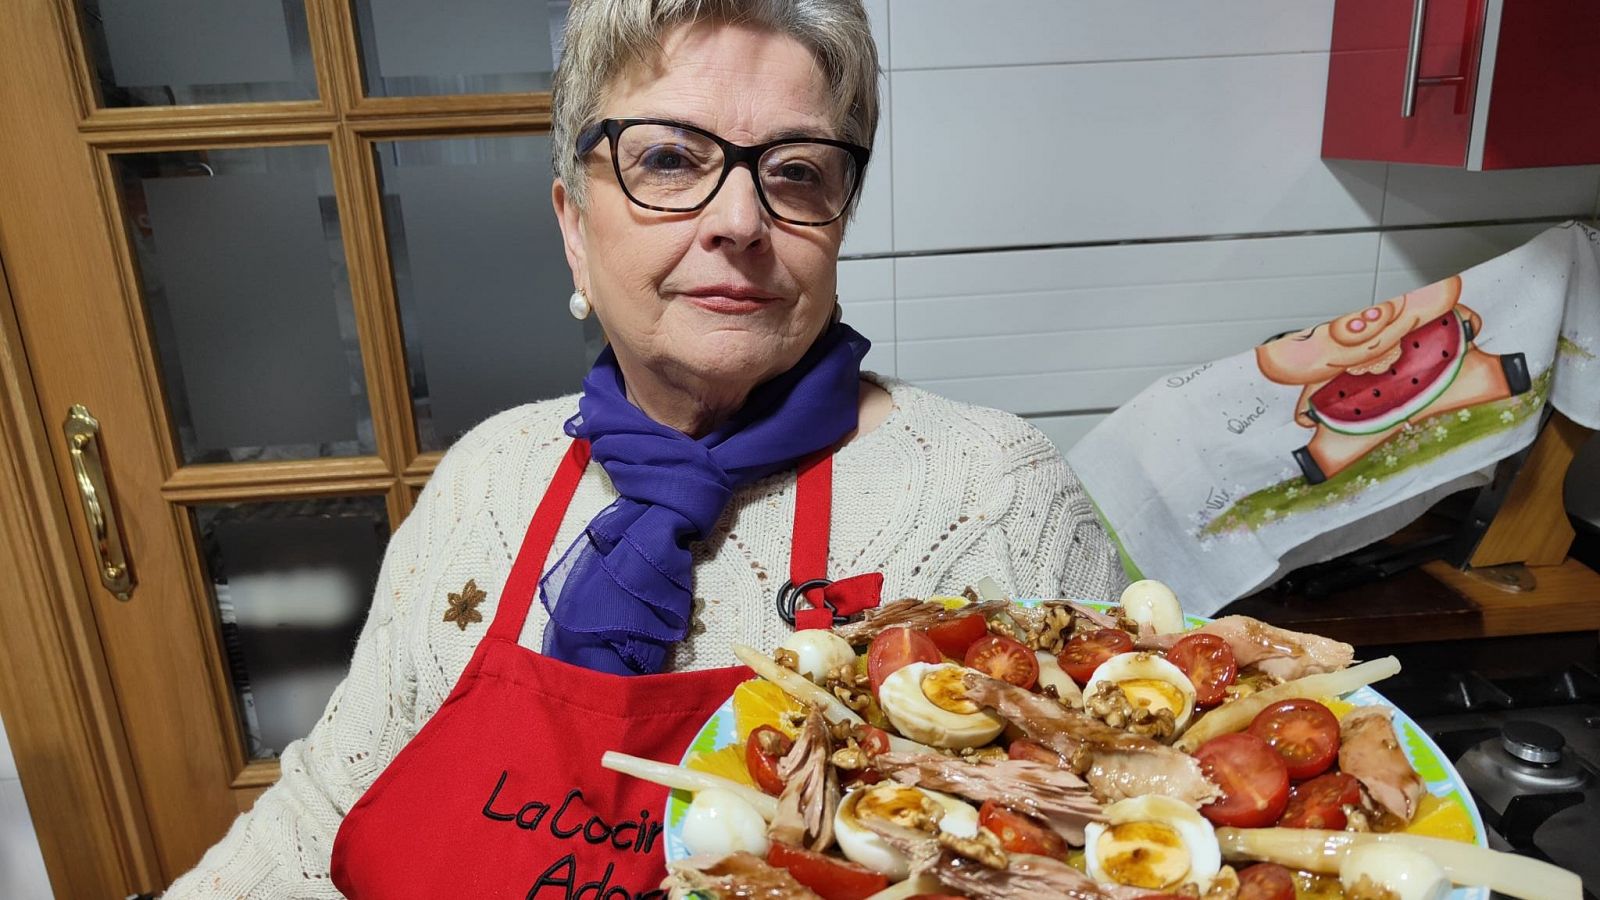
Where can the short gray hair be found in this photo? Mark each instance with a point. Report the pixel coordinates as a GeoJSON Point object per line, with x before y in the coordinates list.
{"type": "Point", "coordinates": [604, 36]}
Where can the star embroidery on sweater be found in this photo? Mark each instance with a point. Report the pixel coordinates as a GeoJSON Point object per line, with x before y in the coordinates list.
{"type": "Point", "coordinates": [464, 606]}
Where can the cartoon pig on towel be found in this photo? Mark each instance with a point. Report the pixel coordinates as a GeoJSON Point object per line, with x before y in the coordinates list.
{"type": "Point", "coordinates": [1368, 373]}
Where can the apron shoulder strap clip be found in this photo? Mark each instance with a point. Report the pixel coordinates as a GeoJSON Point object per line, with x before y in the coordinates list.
{"type": "Point", "coordinates": [790, 612]}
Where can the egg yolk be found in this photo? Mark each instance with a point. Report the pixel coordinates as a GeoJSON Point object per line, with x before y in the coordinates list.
{"type": "Point", "coordinates": [945, 689]}
{"type": "Point", "coordinates": [1153, 694]}
{"type": "Point", "coordinates": [1143, 854]}
{"type": "Point", "coordinates": [904, 806]}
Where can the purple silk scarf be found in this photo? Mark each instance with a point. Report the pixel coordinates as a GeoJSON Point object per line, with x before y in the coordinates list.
{"type": "Point", "coordinates": [620, 597]}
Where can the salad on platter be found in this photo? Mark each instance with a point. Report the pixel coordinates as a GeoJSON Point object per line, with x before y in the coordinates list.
{"type": "Point", "coordinates": [982, 747]}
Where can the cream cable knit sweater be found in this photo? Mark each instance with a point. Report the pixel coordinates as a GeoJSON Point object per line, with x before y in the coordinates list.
{"type": "Point", "coordinates": [938, 496]}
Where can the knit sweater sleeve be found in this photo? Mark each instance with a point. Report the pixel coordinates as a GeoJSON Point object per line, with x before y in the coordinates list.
{"type": "Point", "coordinates": [282, 846]}
{"type": "Point", "coordinates": [1046, 540]}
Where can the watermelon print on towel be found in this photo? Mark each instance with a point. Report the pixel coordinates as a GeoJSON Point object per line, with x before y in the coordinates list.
{"type": "Point", "coordinates": [1228, 473]}
{"type": "Point", "coordinates": [1366, 374]}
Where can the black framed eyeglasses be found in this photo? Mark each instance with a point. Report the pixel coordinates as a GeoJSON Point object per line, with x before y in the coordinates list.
{"type": "Point", "coordinates": [674, 167]}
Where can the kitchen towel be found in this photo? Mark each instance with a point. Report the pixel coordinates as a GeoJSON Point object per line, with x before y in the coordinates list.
{"type": "Point", "coordinates": [1221, 478]}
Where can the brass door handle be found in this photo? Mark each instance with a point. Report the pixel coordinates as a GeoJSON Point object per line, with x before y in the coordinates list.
{"type": "Point", "coordinates": [83, 443]}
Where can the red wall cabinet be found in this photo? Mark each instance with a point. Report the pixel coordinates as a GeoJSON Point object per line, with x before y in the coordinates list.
{"type": "Point", "coordinates": [1480, 84]}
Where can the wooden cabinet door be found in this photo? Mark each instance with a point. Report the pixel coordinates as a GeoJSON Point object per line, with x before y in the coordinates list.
{"type": "Point", "coordinates": [276, 254]}
{"type": "Point", "coordinates": [1370, 67]}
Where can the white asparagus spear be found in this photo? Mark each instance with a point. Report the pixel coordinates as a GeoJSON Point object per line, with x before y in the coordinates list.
{"type": "Point", "coordinates": [1323, 851]}
{"type": "Point", "coordinates": [1236, 715]}
{"type": "Point", "coordinates": [687, 779]}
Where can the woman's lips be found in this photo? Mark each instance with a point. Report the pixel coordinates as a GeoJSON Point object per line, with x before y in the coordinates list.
{"type": "Point", "coordinates": [729, 301]}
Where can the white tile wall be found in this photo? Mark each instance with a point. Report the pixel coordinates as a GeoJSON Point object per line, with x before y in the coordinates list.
{"type": "Point", "coordinates": [872, 229]}
{"type": "Point", "coordinates": [942, 34]}
{"type": "Point", "coordinates": [1427, 195]}
{"type": "Point", "coordinates": [866, 292]}
{"type": "Point", "coordinates": [22, 873]}
{"type": "Point", "coordinates": [1081, 329]}
{"type": "Point", "coordinates": [1064, 431]}
{"type": "Point", "coordinates": [1410, 259]}
{"type": "Point", "coordinates": [1109, 151]}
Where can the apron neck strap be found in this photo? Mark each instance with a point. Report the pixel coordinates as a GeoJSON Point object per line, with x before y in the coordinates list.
{"type": "Point", "coordinates": [523, 582]}
{"type": "Point", "coordinates": [808, 557]}
{"type": "Point", "coordinates": [813, 514]}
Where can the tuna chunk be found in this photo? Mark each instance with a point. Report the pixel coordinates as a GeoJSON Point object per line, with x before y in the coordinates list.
{"type": "Point", "coordinates": [734, 875]}
{"type": "Point", "coordinates": [1118, 764]}
{"type": "Point", "coordinates": [1025, 878]}
{"type": "Point", "coordinates": [810, 789]}
{"type": "Point", "coordinates": [1048, 793]}
{"type": "Point", "coordinates": [1277, 651]}
{"type": "Point", "coordinates": [909, 612]}
{"type": "Point", "coordinates": [1369, 750]}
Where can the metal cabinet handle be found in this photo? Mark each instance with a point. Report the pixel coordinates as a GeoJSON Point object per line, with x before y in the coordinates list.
{"type": "Point", "coordinates": [83, 444]}
{"type": "Point", "coordinates": [1408, 96]}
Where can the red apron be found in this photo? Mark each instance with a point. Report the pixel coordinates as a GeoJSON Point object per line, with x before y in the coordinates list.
{"type": "Point", "coordinates": [501, 793]}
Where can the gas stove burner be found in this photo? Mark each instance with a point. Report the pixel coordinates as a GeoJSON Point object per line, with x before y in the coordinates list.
{"type": "Point", "coordinates": [1533, 774]}
{"type": "Point", "coordinates": [1532, 743]}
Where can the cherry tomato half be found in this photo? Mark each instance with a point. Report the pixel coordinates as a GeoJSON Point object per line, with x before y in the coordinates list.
{"type": "Point", "coordinates": [894, 649]}
{"type": "Point", "coordinates": [763, 765]}
{"type": "Point", "coordinates": [1252, 776]}
{"type": "Point", "coordinates": [1266, 881]}
{"type": "Point", "coordinates": [1085, 652]}
{"type": "Point", "coordinates": [873, 741]}
{"type": "Point", "coordinates": [1020, 834]}
{"type": "Point", "coordinates": [954, 636]}
{"type": "Point", "coordinates": [1304, 732]}
{"type": "Point", "coordinates": [1209, 663]}
{"type": "Point", "coordinates": [1001, 657]}
{"type": "Point", "coordinates": [1320, 802]}
{"type": "Point", "coordinates": [832, 879]}
{"type": "Point", "coordinates": [1026, 749]}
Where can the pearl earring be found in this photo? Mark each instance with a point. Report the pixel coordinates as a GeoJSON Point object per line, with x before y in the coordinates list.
{"type": "Point", "coordinates": [578, 305]}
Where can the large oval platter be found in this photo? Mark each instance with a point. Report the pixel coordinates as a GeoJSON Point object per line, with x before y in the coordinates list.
{"type": "Point", "coordinates": [1440, 776]}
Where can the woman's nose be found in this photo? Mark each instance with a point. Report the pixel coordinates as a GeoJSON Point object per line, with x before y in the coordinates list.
{"type": "Point", "coordinates": [735, 217]}
{"type": "Point", "coordinates": [1359, 326]}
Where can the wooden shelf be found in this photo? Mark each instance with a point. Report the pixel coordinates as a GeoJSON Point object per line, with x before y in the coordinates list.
{"type": "Point", "coordinates": [1438, 602]}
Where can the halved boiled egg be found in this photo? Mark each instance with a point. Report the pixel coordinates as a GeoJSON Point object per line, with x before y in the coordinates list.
{"type": "Point", "coordinates": [898, 804]}
{"type": "Point", "coordinates": [1371, 871]}
{"type": "Point", "coordinates": [927, 702]}
{"type": "Point", "coordinates": [1151, 603]}
{"type": "Point", "coordinates": [1149, 682]}
{"type": "Point", "coordinates": [1152, 842]}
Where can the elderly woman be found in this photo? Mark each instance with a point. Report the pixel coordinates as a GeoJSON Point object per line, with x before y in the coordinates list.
{"type": "Point", "coordinates": [537, 609]}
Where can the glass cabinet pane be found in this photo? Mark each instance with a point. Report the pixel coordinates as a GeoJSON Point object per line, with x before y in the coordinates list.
{"type": "Point", "coordinates": [292, 582]}
{"type": "Point", "coordinates": [242, 272]}
{"type": "Point", "coordinates": [181, 52]}
{"type": "Point", "coordinates": [424, 47]}
{"type": "Point", "coordinates": [481, 279]}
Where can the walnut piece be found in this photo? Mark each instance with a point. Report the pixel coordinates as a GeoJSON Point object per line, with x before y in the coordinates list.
{"type": "Point", "coordinates": [985, 848]}
{"type": "Point", "coordinates": [1110, 705]}
{"type": "Point", "coordinates": [1053, 636]}
{"type": "Point", "coordinates": [787, 658]}
{"type": "Point", "coordinates": [852, 688]}
{"type": "Point", "coordinates": [1224, 885]}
